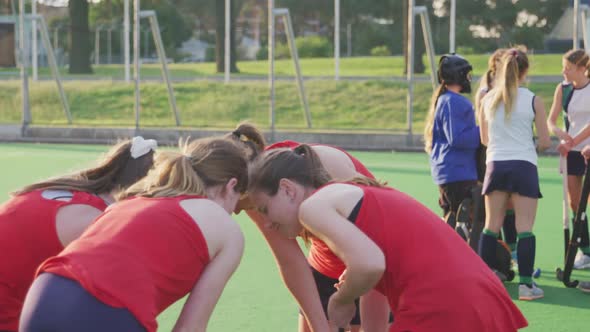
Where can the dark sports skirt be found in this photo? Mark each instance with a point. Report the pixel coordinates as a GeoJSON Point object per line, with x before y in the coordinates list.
{"type": "Point", "coordinates": [512, 176]}
{"type": "Point", "coordinates": [576, 165]}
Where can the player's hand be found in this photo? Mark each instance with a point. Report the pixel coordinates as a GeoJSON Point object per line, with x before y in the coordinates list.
{"type": "Point", "coordinates": [586, 152]}
{"type": "Point", "coordinates": [340, 313]}
{"type": "Point", "coordinates": [341, 280]}
{"type": "Point", "coordinates": [565, 146]}
{"type": "Point", "coordinates": [564, 136]}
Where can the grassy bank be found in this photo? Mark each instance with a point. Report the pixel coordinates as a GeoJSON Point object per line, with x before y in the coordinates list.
{"type": "Point", "coordinates": [542, 64]}
{"type": "Point", "coordinates": [362, 105]}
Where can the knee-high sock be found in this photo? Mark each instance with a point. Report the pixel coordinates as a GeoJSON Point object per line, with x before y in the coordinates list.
{"type": "Point", "coordinates": [509, 229]}
{"type": "Point", "coordinates": [526, 256]}
{"type": "Point", "coordinates": [487, 247]}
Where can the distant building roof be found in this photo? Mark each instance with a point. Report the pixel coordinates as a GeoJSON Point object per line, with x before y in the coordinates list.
{"type": "Point", "coordinates": [564, 28]}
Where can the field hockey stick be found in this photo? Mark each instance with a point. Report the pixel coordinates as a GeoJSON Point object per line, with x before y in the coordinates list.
{"type": "Point", "coordinates": [565, 205]}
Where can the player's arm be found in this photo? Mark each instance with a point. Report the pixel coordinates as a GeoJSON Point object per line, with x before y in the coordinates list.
{"type": "Point", "coordinates": [554, 114]}
{"type": "Point", "coordinates": [336, 163]}
{"type": "Point", "coordinates": [72, 220]}
{"type": "Point", "coordinates": [483, 127]}
{"type": "Point", "coordinates": [295, 273]}
{"type": "Point", "coordinates": [544, 141]}
{"type": "Point", "coordinates": [226, 246]}
{"type": "Point", "coordinates": [322, 215]}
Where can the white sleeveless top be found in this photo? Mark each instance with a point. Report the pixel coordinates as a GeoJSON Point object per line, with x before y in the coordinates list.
{"type": "Point", "coordinates": [512, 139]}
{"type": "Point", "coordinates": [578, 113]}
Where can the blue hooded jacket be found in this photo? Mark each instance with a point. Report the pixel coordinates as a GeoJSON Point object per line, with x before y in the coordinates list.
{"type": "Point", "coordinates": [455, 139]}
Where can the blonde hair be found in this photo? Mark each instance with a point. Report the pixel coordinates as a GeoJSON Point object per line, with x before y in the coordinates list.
{"type": "Point", "coordinates": [487, 81]}
{"type": "Point", "coordinates": [514, 64]}
{"type": "Point", "coordinates": [579, 58]}
{"type": "Point", "coordinates": [116, 171]}
{"type": "Point", "coordinates": [201, 164]}
{"type": "Point", "coordinates": [429, 125]}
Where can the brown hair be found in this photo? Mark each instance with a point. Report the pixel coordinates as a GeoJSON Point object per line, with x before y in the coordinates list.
{"type": "Point", "coordinates": [366, 181]}
{"type": "Point", "coordinates": [117, 171]}
{"type": "Point", "coordinates": [579, 58]}
{"type": "Point", "coordinates": [201, 164]}
{"type": "Point", "coordinates": [514, 64]}
{"type": "Point", "coordinates": [250, 137]}
{"type": "Point", "coordinates": [429, 126]}
{"type": "Point", "coordinates": [301, 165]}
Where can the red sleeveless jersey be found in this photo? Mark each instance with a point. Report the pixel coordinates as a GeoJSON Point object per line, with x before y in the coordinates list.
{"type": "Point", "coordinates": [433, 280]}
{"type": "Point", "coordinates": [142, 254]}
{"type": "Point", "coordinates": [28, 237]}
{"type": "Point", "coordinates": [321, 258]}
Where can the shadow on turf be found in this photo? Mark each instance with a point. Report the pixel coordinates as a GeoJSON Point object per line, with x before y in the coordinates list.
{"type": "Point", "coordinates": [556, 295]}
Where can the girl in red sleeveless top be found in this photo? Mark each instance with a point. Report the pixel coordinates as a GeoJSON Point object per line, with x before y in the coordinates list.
{"type": "Point", "coordinates": [174, 237]}
{"type": "Point", "coordinates": [430, 276]}
{"type": "Point", "coordinates": [42, 218]}
{"type": "Point", "coordinates": [325, 266]}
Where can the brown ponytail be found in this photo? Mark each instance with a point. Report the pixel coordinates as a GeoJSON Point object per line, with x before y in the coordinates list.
{"type": "Point", "coordinates": [117, 171]}
{"type": "Point", "coordinates": [250, 137]}
{"type": "Point", "coordinates": [366, 181]}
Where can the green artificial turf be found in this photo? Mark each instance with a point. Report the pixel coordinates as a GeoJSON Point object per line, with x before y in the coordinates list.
{"type": "Point", "coordinates": [255, 298]}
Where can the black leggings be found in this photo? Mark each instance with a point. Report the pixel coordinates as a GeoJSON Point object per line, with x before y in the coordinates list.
{"type": "Point", "coordinates": [54, 303]}
{"type": "Point", "coordinates": [453, 193]}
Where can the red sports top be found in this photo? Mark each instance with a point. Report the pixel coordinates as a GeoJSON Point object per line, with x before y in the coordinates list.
{"type": "Point", "coordinates": [433, 280]}
{"type": "Point", "coordinates": [28, 237]}
{"type": "Point", "coordinates": [321, 258]}
{"type": "Point", "coordinates": [142, 254]}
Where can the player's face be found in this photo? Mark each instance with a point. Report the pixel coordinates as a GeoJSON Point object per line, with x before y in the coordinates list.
{"type": "Point", "coordinates": [570, 71]}
{"type": "Point", "coordinates": [280, 211]}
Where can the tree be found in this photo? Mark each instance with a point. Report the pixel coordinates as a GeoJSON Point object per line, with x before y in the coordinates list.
{"type": "Point", "coordinates": [501, 19]}
{"type": "Point", "coordinates": [419, 49]}
{"type": "Point", "coordinates": [80, 34]}
{"type": "Point", "coordinates": [174, 26]}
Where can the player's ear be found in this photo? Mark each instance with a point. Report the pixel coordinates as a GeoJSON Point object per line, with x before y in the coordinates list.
{"type": "Point", "coordinates": [289, 188]}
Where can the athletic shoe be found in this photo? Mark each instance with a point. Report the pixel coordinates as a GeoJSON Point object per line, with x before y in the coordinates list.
{"type": "Point", "coordinates": [527, 293]}
{"type": "Point", "coordinates": [584, 286]}
{"type": "Point", "coordinates": [582, 261]}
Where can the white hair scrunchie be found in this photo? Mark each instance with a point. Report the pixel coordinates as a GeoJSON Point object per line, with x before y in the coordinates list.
{"type": "Point", "coordinates": [141, 146]}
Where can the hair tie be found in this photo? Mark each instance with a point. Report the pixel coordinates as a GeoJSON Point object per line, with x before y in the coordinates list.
{"type": "Point", "coordinates": [241, 137]}
{"type": "Point", "coordinates": [514, 53]}
{"type": "Point", "coordinates": [141, 146]}
{"type": "Point", "coordinates": [299, 151]}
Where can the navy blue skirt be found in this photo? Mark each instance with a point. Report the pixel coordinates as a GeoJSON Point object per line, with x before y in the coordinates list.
{"type": "Point", "coordinates": [55, 303]}
{"type": "Point", "coordinates": [576, 164]}
{"type": "Point", "coordinates": [512, 176]}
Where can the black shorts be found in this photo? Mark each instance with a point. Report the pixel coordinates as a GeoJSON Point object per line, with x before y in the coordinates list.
{"type": "Point", "coordinates": [453, 193]}
{"type": "Point", "coordinates": [325, 286]}
{"type": "Point", "coordinates": [576, 165]}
